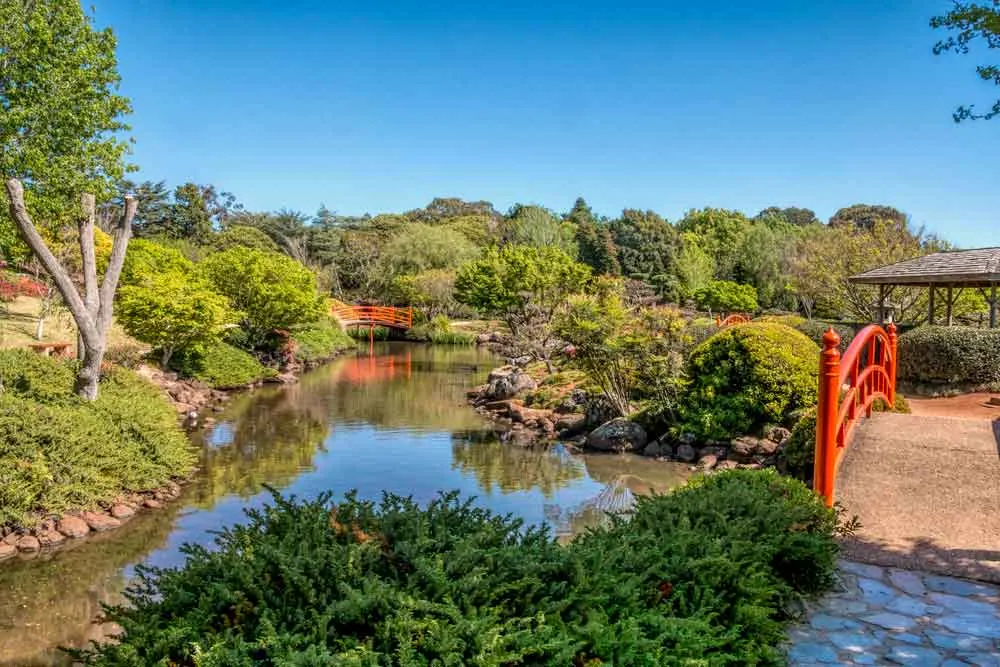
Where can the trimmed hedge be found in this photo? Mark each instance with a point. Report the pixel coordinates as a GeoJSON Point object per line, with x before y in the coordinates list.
{"type": "Point", "coordinates": [950, 358]}
{"type": "Point", "coordinates": [220, 366]}
{"type": "Point", "coordinates": [320, 341]}
{"type": "Point", "coordinates": [816, 329]}
{"type": "Point", "coordinates": [747, 377]}
{"type": "Point", "coordinates": [697, 577]}
{"type": "Point", "coordinates": [60, 452]}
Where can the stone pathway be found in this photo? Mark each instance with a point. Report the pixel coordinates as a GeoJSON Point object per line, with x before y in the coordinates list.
{"type": "Point", "coordinates": [887, 616]}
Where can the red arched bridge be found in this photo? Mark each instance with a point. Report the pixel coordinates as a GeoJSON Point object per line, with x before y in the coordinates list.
{"type": "Point", "coordinates": [374, 316]}
{"type": "Point", "coordinates": [926, 489]}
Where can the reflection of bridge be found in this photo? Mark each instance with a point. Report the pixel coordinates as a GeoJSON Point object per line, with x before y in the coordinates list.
{"type": "Point", "coordinates": [363, 370]}
{"type": "Point", "coordinates": [926, 489]}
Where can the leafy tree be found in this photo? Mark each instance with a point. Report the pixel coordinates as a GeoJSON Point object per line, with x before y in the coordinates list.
{"type": "Point", "coordinates": [593, 238]}
{"type": "Point", "coordinates": [60, 114]}
{"type": "Point", "coordinates": [146, 257]}
{"type": "Point", "coordinates": [172, 311]}
{"type": "Point", "coordinates": [694, 267]}
{"type": "Point", "coordinates": [420, 247]}
{"type": "Point", "coordinates": [443, 208]}
{"type": "Point", "coordinates": [800, 217]}
{"type": "Point", "coordinates": [972, 21]}
{"type": "Point", "coordinates": [194, 213]}
{"type": "Point", "coordinates": [432, 290]}
{"type": "Point", "coordinates": [720, 232]}
{"type": "Point", "coordinates": [763, 260]}
{"type": "Point", "coordinates": [864, 216]}
{"type": "Point", "coordinates": [271, 291]}
{"type": "Point", "coordinates": [242, 235]}
{"type": "Point", "coordinates": [152, 211]}
{"type": "Point", "coordinates": [539, 227]}
{"type": "Point", "coordinates": [724, 296]}
{"type": "Point", "coordinates": [647, 246]}
{"type": "Point", "coordinates": [524, 286]}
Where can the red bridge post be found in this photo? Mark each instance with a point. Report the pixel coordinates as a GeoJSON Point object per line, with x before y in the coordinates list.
{"type": "Point", "coordinates": [827, 406]}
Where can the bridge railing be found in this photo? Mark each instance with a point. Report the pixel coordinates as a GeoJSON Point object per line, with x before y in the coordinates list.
{"type": "Point", "coordinates": [389, 316]}
{"type": "Point", "coordinates": [731, 320]}
{"type": "Point", "coordinates": [848, 386]}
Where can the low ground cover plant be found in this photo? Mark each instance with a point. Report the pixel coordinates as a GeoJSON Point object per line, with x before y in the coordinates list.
{"type": "Point", "coordinates": [699, 576]}
{"type": "Point", "coordinates": [60, 452]}
{"type": "Point", "coordinates": [220, 366]}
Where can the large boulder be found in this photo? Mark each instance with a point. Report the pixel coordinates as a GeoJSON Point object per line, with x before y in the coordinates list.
{"type": "Point", "coordinates": [508, 382]}
{"type": "Point", "coordinates": [617, 435]}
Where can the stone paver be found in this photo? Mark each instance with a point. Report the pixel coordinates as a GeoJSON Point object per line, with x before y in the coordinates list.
{"type": "Point", "coordinates": [887, 616]}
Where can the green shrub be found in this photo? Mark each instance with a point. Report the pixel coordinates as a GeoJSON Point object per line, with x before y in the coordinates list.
{"type": "Point", "coordinates": [746, 377]}
{"type": "Point", "coordinates": [321, 340]}
{"type": "Point", "coordinates": [60, 452]}
{"type": "Point", "coordinates": [949, 357]}
{"type": "Point", "coordinates": [438, 330]}
{"type": "Point", "coordinates": [362, 333]}
{"type": "Point", "coordinates": [699, 577]}
{"type": "Point", "coordinates": [727, 297]}
{"type": "Point", "coordinates": [126, 354]}
{"type": "Point", "coordinates": [816, 329]}
{"type": "Point", "coordinates": [220, 365]}
{"type": "Point", "coordinates": [700, 329]}
{"type": "Point", "coordinates": [793, 321]}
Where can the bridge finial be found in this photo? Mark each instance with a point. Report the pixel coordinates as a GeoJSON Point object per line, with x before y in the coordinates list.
{"type": "Point", "coordinates": [831, 339]}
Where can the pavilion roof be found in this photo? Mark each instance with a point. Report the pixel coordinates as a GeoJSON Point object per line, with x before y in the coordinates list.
{"type": "Point", "coordinates": [960, 268]}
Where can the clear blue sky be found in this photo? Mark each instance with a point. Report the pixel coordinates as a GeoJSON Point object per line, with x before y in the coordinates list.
{"type": "Point", "coordinates": [380, 105]}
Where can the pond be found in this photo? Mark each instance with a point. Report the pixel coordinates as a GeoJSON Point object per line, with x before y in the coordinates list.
{"type": "Point", "coordinates": [395, 420]}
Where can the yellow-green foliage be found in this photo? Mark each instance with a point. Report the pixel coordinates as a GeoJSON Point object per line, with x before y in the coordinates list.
{"type": "Point", "coordinates": [794, 321]}
{"type": "Point", "coordinates": [746, 377]}
{"type": "Point", "coordinates": [60, 452]}
{"type": "Point", "coordinates": [320, 340]}
{"type": "Point", "coordinates": [220, 366]}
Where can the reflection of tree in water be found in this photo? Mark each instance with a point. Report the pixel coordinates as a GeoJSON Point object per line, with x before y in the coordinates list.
{"type": "Point", "coordinates": [624, 477]}
{"type": "Point", "coordinates": [50, 603]}
{"type": "Point", "coordinates": [511, 468]}
{"type": "Point", "coordinates": [416, 387]}
{"type": "Point", "coordinates": [272, 436]}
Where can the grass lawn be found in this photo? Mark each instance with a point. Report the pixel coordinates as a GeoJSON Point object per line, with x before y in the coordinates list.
{"type": "Point", "coordinates": [19, 318]}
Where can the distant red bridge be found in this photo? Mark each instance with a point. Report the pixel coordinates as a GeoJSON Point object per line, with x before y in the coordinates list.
{"type": "Point", "coordinates": [374, 316]}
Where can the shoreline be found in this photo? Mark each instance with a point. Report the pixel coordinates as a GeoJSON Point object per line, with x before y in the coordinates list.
{"type": "Point", "coordinates": [194, 403]}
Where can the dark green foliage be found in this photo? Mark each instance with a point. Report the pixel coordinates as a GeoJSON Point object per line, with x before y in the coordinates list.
{"type": "Point", "coordinates": [799, 452]}
{"type": "Point", "coordinates": [865, 216]}
{"type": "Point", "coordinates": [972, 22]}
{"type": "Point", "coordinates": [438, 330]}
{"type": "Point", "coordinates": [220, 366]}
{"type": "Point", "coordinates": [746, 377]}
{"type": "Point", "coordinates": [697, 577]}
{"type": "Point", "coordinates": [949, 357]}
{"type": "Point", "coordinates": [648, 246]}
{"type": "Point", "coordinates": [320, 341]}
{"type": "Point", "coordinates": [816, 329]}
{"type": "Point", "coordinates": [61, 452]}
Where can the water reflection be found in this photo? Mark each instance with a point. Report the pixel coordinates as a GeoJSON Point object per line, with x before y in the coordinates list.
{"type": "Point", "coordinates": [396, 421]}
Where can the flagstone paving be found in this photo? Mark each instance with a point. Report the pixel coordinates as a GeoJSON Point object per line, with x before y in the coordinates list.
{"type": "Point", "coordinates": [888, 616]}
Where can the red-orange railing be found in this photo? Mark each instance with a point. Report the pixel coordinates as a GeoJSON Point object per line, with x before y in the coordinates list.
{"type": "Point", "coordinates": [386, 316]}
{"type": "Point", "coordinates": [848, 386]}
{"type": "Point", "coordinates": [731, 320]}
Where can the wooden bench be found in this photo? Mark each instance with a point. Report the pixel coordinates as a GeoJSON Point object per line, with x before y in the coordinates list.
{"type": "Point", "coordinates": [51, 349]}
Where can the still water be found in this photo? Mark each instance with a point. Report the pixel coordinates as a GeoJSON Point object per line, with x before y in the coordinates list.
{"type": "Point", "coordinates": [392, 421]}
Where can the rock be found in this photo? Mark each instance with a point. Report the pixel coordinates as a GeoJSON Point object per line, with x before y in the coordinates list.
{"type": "Point", "coordinates": [743, 449]}
{"type": "Point", "coordinates": [570, 424]}
{"type": "Point", "coordinates": [174, 488]}
{"type": "Point", "coordinates": [708, 461]}
{"type": "Point", "coordinates": [99, 522]}
{"type": "Point", "coordinates": [73, 526]}
{"type": "Point", "coordinates": [121, 511]}
{"type": "Point", "coordinates": [7, 550]}
{"type": "Point", "coordinates": [652, 449]}
{"type": "Point", "coordinates": [617, 435]}
{"type": "Point", "coordinates": [712, 450]}
{"type": "Point", "coordinates": [28, 544]}
{"type": "Point", "coordinates": [508, 382]}
{"type": "Point", "coordinates": [50, 537]}
{"type": "Point", "coordinates": [12, 538]}
{"type": "Point", "coordinates": [152, 503]}
{"type": "Point", "coordinates": [726, 465]}
{"type": "Point", "coordinates": [547, 426]}
{"type": "Point", "coordinates": [767, 447]}
{"type": "Point", "coordinates": [521, 361]}
{"type": "Point", "coordinates": [598, 411]}
{"type": "Point", "coordinates": [525, 415]}
{"type": "Point", "coordinates": [685, 452]}
{"type": "Point", "coordinates": [779, 434]}
{"type": "Point", "coordinates": [483, 338]}
{"type": "Point", "coordinates": [687, 439]}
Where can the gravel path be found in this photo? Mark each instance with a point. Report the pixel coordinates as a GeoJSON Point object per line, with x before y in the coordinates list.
{"type": "Point", "coordinates": [888, 616]}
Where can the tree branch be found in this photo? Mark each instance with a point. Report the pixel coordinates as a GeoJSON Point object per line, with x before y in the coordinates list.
{"type": "Point", "coordinates": [18, 211]}
{"type": "Point", "coordinates": [123, 231]}
{"type": "Point", "coordinates": [86, 227]}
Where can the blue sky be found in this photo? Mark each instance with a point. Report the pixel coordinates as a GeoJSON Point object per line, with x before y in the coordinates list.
{"type": "Point", "coordinates": [382, 105]}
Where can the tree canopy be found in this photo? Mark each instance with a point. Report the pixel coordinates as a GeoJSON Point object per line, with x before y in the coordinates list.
{"type": "Point", "coordinates": [972, 22]}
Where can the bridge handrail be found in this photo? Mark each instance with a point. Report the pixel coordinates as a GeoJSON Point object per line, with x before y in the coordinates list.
{"type": "Point", "coordinates": [848, 386]}
{"type": "Point", "coordinates": [387, 315]}
{"type": "Point", "coordinates": [731, 320]}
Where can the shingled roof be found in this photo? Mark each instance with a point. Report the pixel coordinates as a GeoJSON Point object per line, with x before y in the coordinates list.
{"type": "Point", "coordinates": [966, 268]}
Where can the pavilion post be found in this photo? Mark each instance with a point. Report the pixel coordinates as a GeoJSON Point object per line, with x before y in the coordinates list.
{"type": "Point", "coordinates": [930, 307]}
{"type": "Point", "coordinates": [947, 311]}
{"type": "Point", "coordinates": [993, 306]}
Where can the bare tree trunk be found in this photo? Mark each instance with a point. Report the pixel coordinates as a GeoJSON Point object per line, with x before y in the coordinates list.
{"type": "Point", "coordinates": [93, 311]}
{"type": "Point", "coordinates": [40, 328]}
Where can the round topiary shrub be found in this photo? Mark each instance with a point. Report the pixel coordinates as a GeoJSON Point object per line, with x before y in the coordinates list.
{"type": "Point", "coordinates": [949, 358]}
{"type": "Point", "coordinates": [746, 377]}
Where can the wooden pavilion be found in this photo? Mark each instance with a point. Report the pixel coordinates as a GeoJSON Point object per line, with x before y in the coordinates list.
{"type": "Point", "coordinates": [945, 274]}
